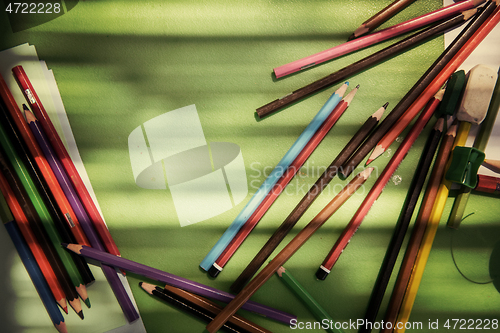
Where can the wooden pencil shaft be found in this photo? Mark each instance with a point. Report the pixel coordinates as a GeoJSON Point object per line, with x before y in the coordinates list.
{"type": "Point", "coordinates": [32, 268]}
{"type": "Point", "coordinates": [40, 183]}
{"type": "Point", "coordinates": [359, 66]}
{"type": "Point", "coordinates": [419, 225]}
{"type": "Point", "coordinates": [374, 193]}
{"type": "Point", "coordinates": [35, 199]}
{"type": "Point", "coordinates": [436, 71]}
{"type": "Point", "coordinates": [214, 309]}
{"type": "Point", "coordinates": [41, 114]}
{"type": "Point", "coordinates": [39, 231]}
{"type": "Point", "coordinates": [377, 37]}
{"type": "Point", "coordinates": [282, 182]}
{"type": "Point", "coordinates": [383, 15]}
{"type": "Point", "coordinates": [16, 121]}
{"type": "Point", "coordinates": [306, 298]}
{"type": "Point", "coordinates": [488, 184]}
{"type": "Point", "coordinates": [288, 251]}
{"type": "Point", "coordinates": [303, 205]}
{"type": "Point", "coordinates": [194, 309]}
{"type": "Point", "coordinates": [35, 247]}
{"type": "Point", "coordinates": [174, 280]}
{"type": "Point", "coordinates": [401, 227]}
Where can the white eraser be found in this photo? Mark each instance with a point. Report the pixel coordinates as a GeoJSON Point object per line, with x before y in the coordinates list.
{"type": "Point", "coordinates": [477, 94]}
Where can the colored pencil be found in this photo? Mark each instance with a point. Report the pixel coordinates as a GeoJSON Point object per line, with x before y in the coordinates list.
{"type": "Point", "coordinates": [294, 245]}
{"type": "Point", "coordinates": [200, 307]}
{"type": "Point", "coordinates": [174, 280]}
{"type": "Point", "coordinates": [307, 201]}
{"type": "Point", "coordinates": [374, 193]}
{"type": "Point", "coordinates": [391, 255]}
{"type": "Point", "coordinates": [35, 247]}
{"type": "Point", "coordinates": [482, 137]}
{"type": "Point", "coordinates": [32, 268]}
{"type": "Point", "coordinates": [94, 240]}
{"type": "Point", "coordinates": [273, 177]}
{"type": "Point", "coordinates": [400, 126]}
{"type": "Point", "coordinates": [363, 64]}
{"type": "Point", "coordinates": [118, 289]}
{"type": "Point", "coordinates": [488, 184]}
{"type": "Point", "coordinates": [418, 230]}
{"type": "Point", "coordinates": [282, 182]}
{"type": "Point", "coordinates": [59, 148]}
{"type": "Point", "coordinates": [28, 196]}
{"type": "Point", "coordinates": [379, 18]}
{"type": "Point", "coordinates": [432, 80]}
{"type": "Point", "coordinates": [377, 37]}
{"type": "Point", "coordinates": [493, 165]}
{"type": "Point", "coordinates": [63, 222]}
{"type": "Point", "coordinates": [306, 298]}
{"type": "Point", "coordinates": [17, 121]}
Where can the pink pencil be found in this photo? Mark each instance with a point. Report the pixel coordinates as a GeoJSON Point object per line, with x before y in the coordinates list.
{"type": "Point", "coordinates": [376, 37]}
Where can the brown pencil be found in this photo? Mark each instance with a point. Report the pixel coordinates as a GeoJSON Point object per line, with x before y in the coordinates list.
{"type": "Point", "coordinates": [434, 77]}
{"type": "Point", "coordinates": [379, 18]}
{"type": "Point", "coordinates": [307, 200]}
{"type": "Point", "coordinates": [420, 223]}
{"type": "Point", "coordinates": [361, 65]}
{"type": "Point", "coordinates": [288, 251]}
{"type": "Point", "coordinates": [200, 307]}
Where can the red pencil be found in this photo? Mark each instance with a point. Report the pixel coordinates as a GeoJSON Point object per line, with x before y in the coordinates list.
{"type": "Point", "coordinates": [282, 183]}
{"type": "Point", "coordinates": [41, 162]}
{"type": "Point", "coordinates": [41, 259]}
{"type": "Point", "coordinates": [65, 159]}
{"type": "Point", "coordinates": [374, 193]}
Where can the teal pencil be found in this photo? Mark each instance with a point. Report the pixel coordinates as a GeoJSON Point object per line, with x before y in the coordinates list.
{"type": "Point", "coordinates": [316, 309]}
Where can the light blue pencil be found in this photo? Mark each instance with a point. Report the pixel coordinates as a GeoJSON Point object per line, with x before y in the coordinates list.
{"type": "Point", "coordinates": [273, 177]}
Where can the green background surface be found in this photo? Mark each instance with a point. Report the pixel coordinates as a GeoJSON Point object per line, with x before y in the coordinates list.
{"type": "Point", "coordinates": [121, 63]}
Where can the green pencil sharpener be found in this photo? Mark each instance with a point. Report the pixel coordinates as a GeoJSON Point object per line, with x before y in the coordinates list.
{"type": "Point", "coordinates": [464, 165]}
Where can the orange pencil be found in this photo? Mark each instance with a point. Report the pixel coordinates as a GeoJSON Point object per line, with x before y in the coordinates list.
{"type": "Point", "coordinates": [41, 259]}
{"type": "Point", "coordinates": [65, 159]}
{"type": "Point", "coordinates": [43, 165]}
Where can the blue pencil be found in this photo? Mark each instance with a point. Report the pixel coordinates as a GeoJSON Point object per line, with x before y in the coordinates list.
{"type": "Point", "coordinates": [32, 267]}
{"type": "Point", "coordinates": [273, 177]}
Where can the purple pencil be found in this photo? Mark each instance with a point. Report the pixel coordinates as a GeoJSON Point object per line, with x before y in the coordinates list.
{"type": "Point", "coordinates": [376, 37]}
{"type": "Point", "coordinates": [175, 281]}
{"type": "Point", "coordinates": [73, 199]}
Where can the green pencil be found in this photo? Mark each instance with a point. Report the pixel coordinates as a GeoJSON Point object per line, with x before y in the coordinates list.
{"type": "Point", "coordinates": [71, 280]}
{"type": "Point", "coordinates": [316, 309]}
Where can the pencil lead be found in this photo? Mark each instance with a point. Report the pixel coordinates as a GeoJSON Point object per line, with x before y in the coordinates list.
{"type": "Point", "coordinates": [65, 309]}
{"type": "Point", "coordinates": [80, 314]}
{"type": "Point", "coordinates": [385, 105]}
{"type": "Point", "coordinates": [378, 114]}
{"type": "Point", "coordinates": [87, 303]}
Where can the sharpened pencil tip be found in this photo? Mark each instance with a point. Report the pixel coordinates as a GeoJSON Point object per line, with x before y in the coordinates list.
{"type": "Point", "coordinates": [385, 105]}
{"type": "Point", "coordinates": [87, 303]}
{"type": "Point", "coordinates": [80, 314]}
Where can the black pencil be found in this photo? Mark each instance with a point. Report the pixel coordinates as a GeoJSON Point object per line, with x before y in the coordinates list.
{"type": "Point", "coordinates": [402, 224]}
{"type": "Point", "coordinates": [379, 18]}
{"type": "Point", "coordinates": [38, 230]}
{"type": "Point", "coordinates": [62, 228]}
{"type": "Point", "coordinates": [365, 63]}
{"type": "Point", "coordinates": [199, 307]}
{"type": "Point", "coordinates": [307, 200]}
{"type": "Point", "coordinates": [419, 87]}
